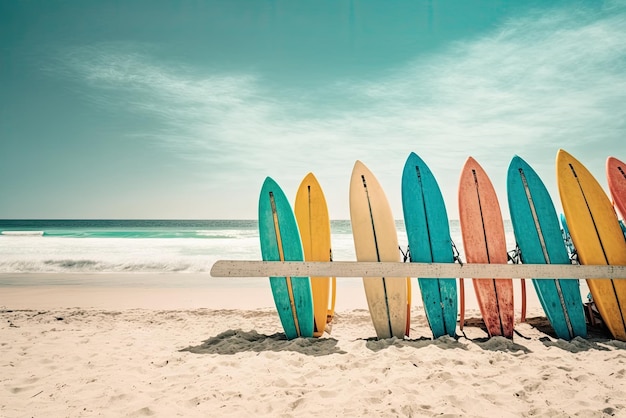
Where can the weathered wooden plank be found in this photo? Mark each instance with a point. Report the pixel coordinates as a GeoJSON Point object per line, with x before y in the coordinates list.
{"type": "Point", "coordinates": [244, 268]}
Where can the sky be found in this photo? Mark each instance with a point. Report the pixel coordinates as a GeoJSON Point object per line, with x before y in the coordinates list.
{"type": "Point", "coordinates": [179, 110]}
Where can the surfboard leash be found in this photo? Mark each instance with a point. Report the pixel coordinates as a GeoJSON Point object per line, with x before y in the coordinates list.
{"type": "Point", "coordinates": [405, 254]}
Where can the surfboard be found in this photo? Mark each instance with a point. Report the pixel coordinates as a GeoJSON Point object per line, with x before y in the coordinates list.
{"type": "Point", "coordinates": [428, 232]}
{"type": "Point", "coordinates": [597, 236]}
{"type": "Point", "coordinates": [376, 239]}
{"type": "Point", "coordinates": [314, 224]}
{"type": "Point", "coordinates": [567, 238]}
{"type": "Point", "coordinates": [538, 235]}
{"type": "Point", "coordinates": [482, 230]}
{"type": "Point", "coordinates": [280, 241]}
{"type": "Point", "coordinates": [616, 177]}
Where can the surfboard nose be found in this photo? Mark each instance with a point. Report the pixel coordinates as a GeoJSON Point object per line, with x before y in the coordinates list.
{"type": "Point", "coordinates": [561, 154]}
{"type": "Point", "coordinates": [269, 183]}
{"type": "Point", "coordinates": [358, 166]}
{"type": "Point", "coordinates": [470, 161]}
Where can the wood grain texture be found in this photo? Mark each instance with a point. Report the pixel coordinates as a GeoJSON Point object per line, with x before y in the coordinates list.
{"type": "Point", "coordinates": [430, 271]}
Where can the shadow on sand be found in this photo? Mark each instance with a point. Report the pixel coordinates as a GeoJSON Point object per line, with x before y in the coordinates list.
{"type": "Point", "coordinates": [238, 341]}
{"type": "Point", "coordinates": [598, 338]}
{"type": "Point", "coordinates": [445, 342]}
{"type": "Point", "coordinates": [494, 343]}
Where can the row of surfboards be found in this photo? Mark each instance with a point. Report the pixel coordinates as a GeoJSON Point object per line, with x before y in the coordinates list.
{"type": "Point", "coordinates": [303, 234]}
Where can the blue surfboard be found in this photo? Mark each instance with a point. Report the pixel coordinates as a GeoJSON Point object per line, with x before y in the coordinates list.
{"type": "Point", "coordinates": [428, 232]}
{"type": "Point", "coordinates": [280, 241]}
{"type": "Point", "coordinates": [538, 235]}
{"type": "Point", "coordinates": [567, 238]}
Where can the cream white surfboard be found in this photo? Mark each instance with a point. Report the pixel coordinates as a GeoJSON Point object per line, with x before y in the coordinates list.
{"type": "Point", "coordinates": [376, 239]}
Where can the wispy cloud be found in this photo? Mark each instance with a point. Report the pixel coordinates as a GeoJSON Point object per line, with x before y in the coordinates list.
{"type": "Point", "coordinates": [555, 79]}
{"type": "Point", "coordinates": [191, 110]}
{"type": "Point", "coordinates": [539, 83]}
{"type": "Point", "coordinates": [212, 118]}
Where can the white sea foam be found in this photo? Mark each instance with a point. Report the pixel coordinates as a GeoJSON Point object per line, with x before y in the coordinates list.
{"type": "Point", "coordinates": [23, 233]}
{"type": "Point", "coordinates": [57, 255]}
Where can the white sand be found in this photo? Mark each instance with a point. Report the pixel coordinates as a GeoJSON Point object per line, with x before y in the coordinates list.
{"type": "Point", "coordinates": [104, 351]}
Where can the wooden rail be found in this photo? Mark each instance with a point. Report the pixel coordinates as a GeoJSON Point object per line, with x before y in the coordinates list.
{"type": "Point", "coordinates": [245, 268]}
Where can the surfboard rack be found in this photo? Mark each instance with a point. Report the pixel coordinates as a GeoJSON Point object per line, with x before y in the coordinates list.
{"type": "Point", "coordinates": [247, 268]}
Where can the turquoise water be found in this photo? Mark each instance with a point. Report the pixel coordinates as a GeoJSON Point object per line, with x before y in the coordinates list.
{"type": "Point", "coordinates": [209, 229]}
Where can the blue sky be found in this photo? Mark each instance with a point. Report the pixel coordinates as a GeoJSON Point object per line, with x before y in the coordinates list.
{"type": "Point", "coordinates": [154, 109]}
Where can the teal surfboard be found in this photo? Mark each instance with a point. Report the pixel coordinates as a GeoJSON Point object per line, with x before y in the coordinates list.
{"type": "Point", "coordinates": [280, 241]}
{"type": "Point", "coordinates": [567, 238]}
{"type": "Point", "coordinates": [428, 232]}
{"type": "Point", "coordinates": [538, 235]}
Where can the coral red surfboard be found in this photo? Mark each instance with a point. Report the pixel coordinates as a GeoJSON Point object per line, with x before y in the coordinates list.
{"type": "Point", "coordinates": [484, 241]}
{"type": "Point", "coordinates": [616, 177]}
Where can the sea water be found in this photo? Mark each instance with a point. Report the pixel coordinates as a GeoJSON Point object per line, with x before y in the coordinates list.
{"type": "Point", "coordinates": [153, 246]}
{"type": "Point", "coordinates": [123, 246]}
{"type": "Point", "coordinates": [150, 246]}
{"type": "Point", "coordinates": [170, 253]}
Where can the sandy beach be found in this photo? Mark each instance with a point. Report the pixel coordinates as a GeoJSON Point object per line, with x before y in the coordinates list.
{"type": "Point", "coordinates": [132, 351]}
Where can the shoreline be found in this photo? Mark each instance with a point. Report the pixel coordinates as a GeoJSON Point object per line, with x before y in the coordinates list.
{"type": "Point", "coordinates": [185, 291]}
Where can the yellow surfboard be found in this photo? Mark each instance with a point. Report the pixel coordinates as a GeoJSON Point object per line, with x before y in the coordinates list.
{"type": "Point", "coordinates": [314, 224]}
{"type": "Point", "coordinates": [376, 239]}
{"type": "Point", "coordinates": [597, 237]}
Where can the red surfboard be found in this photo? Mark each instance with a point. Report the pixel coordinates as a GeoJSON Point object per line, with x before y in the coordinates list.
{"type": "Point", "coordinates": [484, 241]}
{"type": "Point", "coordinates": [616, 177]}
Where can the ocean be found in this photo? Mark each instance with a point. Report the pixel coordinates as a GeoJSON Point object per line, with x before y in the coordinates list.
{"type": "Point", "coordinates": [152, 246]}
{"type": "Point", "coordinates": [163, 253]}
